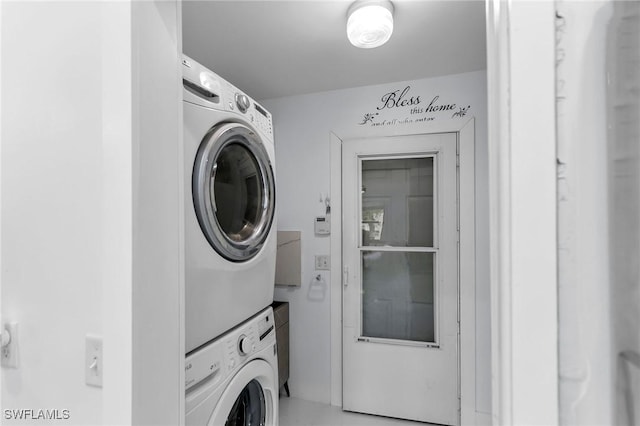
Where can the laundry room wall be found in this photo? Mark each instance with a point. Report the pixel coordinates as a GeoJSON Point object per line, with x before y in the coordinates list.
{"type": "Point", "coordinates": [52, 191]}
{"type": "Point", "coordinates": [303, 125]}
{"type": "Point", "coordinates": [90, 213]}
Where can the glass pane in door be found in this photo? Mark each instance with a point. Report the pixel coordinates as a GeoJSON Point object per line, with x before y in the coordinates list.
{"type": "Point", "coordinates": [397, 202]}
{"type": "Point", "coordinates": [249, 408]}
{"type": "Point", "coordinates": [236, 187]}
{"type": "Point", "coordinates": [398, 295]}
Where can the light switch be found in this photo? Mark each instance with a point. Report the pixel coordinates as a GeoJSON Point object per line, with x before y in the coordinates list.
{"type": "Point", "coordinates": [93, 360]}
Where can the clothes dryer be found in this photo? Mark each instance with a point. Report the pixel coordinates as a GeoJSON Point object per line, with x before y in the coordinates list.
{"type": "Point", "coordinates": [234, 379]}
{"type": "Point", "coordinates": [230, 241]}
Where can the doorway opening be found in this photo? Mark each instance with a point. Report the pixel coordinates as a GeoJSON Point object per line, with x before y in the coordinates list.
{"type": "Point", "coordinates": [448, 168]}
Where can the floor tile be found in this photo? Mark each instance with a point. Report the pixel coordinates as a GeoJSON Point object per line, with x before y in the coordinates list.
{"type": "Point", "coordinates": [298, 412]}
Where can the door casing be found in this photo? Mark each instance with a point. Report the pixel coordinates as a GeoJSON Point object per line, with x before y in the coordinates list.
{"type": "Point", "coordinates": [466, 146]}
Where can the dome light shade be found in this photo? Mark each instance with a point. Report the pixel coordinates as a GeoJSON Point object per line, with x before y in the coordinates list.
{"type": "Point", "coordinates": [370, 23]}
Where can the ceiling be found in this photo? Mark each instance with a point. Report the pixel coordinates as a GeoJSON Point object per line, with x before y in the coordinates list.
{"type": "Point", "coordinates": [272, 49]}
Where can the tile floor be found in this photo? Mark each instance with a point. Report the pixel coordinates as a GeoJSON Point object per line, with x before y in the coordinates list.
{"type": "Point", "coordinates": [298, 412]}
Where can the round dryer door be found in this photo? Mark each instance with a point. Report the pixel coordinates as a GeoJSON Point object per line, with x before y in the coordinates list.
{"type": "Point", "coordinates": [234, 191]}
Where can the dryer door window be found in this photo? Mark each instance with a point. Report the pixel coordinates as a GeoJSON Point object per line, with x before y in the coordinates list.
{"type": "Point", "coordinates": [250, 408]}
{"type": "Point", "coordinates": [234, 191]}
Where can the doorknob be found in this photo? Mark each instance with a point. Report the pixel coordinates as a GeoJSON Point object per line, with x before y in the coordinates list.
{"type": "Point", "coordinates": [345, 276]}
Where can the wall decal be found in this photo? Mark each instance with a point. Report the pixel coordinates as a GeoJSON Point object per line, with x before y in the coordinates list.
{"type": "Point", "coordinates": [412, 109]}
{"type": "Point", "coordinates": [461, 113]}
{"type": "Point", "coordinates": [368, 118]}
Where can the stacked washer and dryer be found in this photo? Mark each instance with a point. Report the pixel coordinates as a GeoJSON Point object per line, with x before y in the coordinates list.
{"type": "Point", "coordinates": [230, 248]}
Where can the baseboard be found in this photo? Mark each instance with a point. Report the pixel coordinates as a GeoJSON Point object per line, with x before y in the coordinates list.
{"type": "Point", "coordinates": [483, 419]}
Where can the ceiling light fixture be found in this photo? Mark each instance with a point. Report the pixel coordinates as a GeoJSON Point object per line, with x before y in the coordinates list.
{"type": "Point", "coordinates": [370, 23]}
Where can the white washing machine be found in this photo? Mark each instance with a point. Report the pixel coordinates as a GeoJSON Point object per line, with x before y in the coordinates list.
{"type": "Point", "coordinates": [230, 241]}
{"type": "Point", "coordinates": [233, 380]}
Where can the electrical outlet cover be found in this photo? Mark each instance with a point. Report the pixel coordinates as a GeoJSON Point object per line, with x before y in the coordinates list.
{"type": "Point", "coordinates": [322, 262]}
{"type": "Point", "coordinates": [9, 353]}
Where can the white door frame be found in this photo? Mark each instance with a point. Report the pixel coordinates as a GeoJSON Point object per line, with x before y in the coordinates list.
{"type": "Point", "coordinates": [466, 143]}
{"type": "Point", "coordinates": [521, 62]}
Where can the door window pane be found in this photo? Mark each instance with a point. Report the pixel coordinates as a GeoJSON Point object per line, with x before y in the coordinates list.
{"type": "Point", "coordinates": [397, 202]}
{"type": "Point", "coordinates": [249, 409]}
{"type": "Point", "coordinates": [236, 187]}
{"type": "Point", "coordinates": [398, 295]}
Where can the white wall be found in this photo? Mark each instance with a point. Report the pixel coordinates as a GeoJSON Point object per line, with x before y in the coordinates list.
{"type": "Point", "coordinates": [623, 130]}
{"type": "Point", "coordinates": [302, 131]}
{"type": "Point", "coordinates": [584, 327]}
{"type": "Point", "coordinates": [599, 181]}
{"type": "Point", "coordinates": [91, 209]}
{"type": "Point", "coordinates": [52, 193]}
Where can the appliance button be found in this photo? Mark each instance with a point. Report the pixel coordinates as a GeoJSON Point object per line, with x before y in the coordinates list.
{"type": "Point", "coordinates": [244, 345]}
{"type": "Point", "coordinates": [243, 102]}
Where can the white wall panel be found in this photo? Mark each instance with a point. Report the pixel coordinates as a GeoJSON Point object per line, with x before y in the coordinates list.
{"type": "Point", "coordinates": [91, 207]}
{"type": "Point", "coordinates": [52, 191]}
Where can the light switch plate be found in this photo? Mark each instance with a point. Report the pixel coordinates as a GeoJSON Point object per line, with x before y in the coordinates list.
{"type": "Point", "coordinates": [93, 360]}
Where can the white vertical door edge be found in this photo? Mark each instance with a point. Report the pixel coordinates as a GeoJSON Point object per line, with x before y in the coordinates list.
{"type": "Point", "coordinates": [117, 220]}
{"type": "Point", "coordinates": [1, 314]}
{"type": "Point", "coordinates": [498, 155]}
{"type": "Point", "coordinates": [157, 206]}
{"type": "Point", "coordinates": [336, 270]}
{"type": "Point", "coordinates": [533, 213]}
{"type": "Point", "coordinates": [467, 272]}
{"type": "Point", "coordinates": [522, 185]}
{"type": "Point", "coordinates": [181, 224]}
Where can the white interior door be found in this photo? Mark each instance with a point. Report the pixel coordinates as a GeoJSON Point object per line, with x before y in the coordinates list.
{"type": "Point", "coordinates": [400, 305]}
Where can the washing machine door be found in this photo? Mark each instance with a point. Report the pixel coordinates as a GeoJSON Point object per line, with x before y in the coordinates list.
{"type": "Point", "coordinates": [250, 399]}
{"type": "Point", "coordinates": [233, 190]}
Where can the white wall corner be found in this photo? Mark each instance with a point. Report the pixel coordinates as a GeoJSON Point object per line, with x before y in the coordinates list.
{"type": "Point", "coordinates": [158, 263]}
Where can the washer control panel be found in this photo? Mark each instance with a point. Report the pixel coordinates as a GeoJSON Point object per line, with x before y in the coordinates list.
{"type": "Point", "coordinates": [246, 345]}
{"type": "Point", "coordinates": [245, 340]}
{"type": "Point", "coordinates": [202, 365]}
{"type": "Point", "coordinates": [229, 352]}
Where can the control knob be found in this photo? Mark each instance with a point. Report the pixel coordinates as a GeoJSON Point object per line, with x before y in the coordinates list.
{"type": "Point", "coordinates": [244, 345]}
{"type": "Point", "coordinates": [243, 102]}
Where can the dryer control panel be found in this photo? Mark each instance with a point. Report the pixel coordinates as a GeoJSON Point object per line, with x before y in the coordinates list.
{"type": "Point", "coordinates": [262, 119]}
{"type": "Point", "coordinates": [231, 351]}
{"type": "Point", "coordinates": [204, 87]}
{"type": "Point", "coordinates": [236, 101]}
